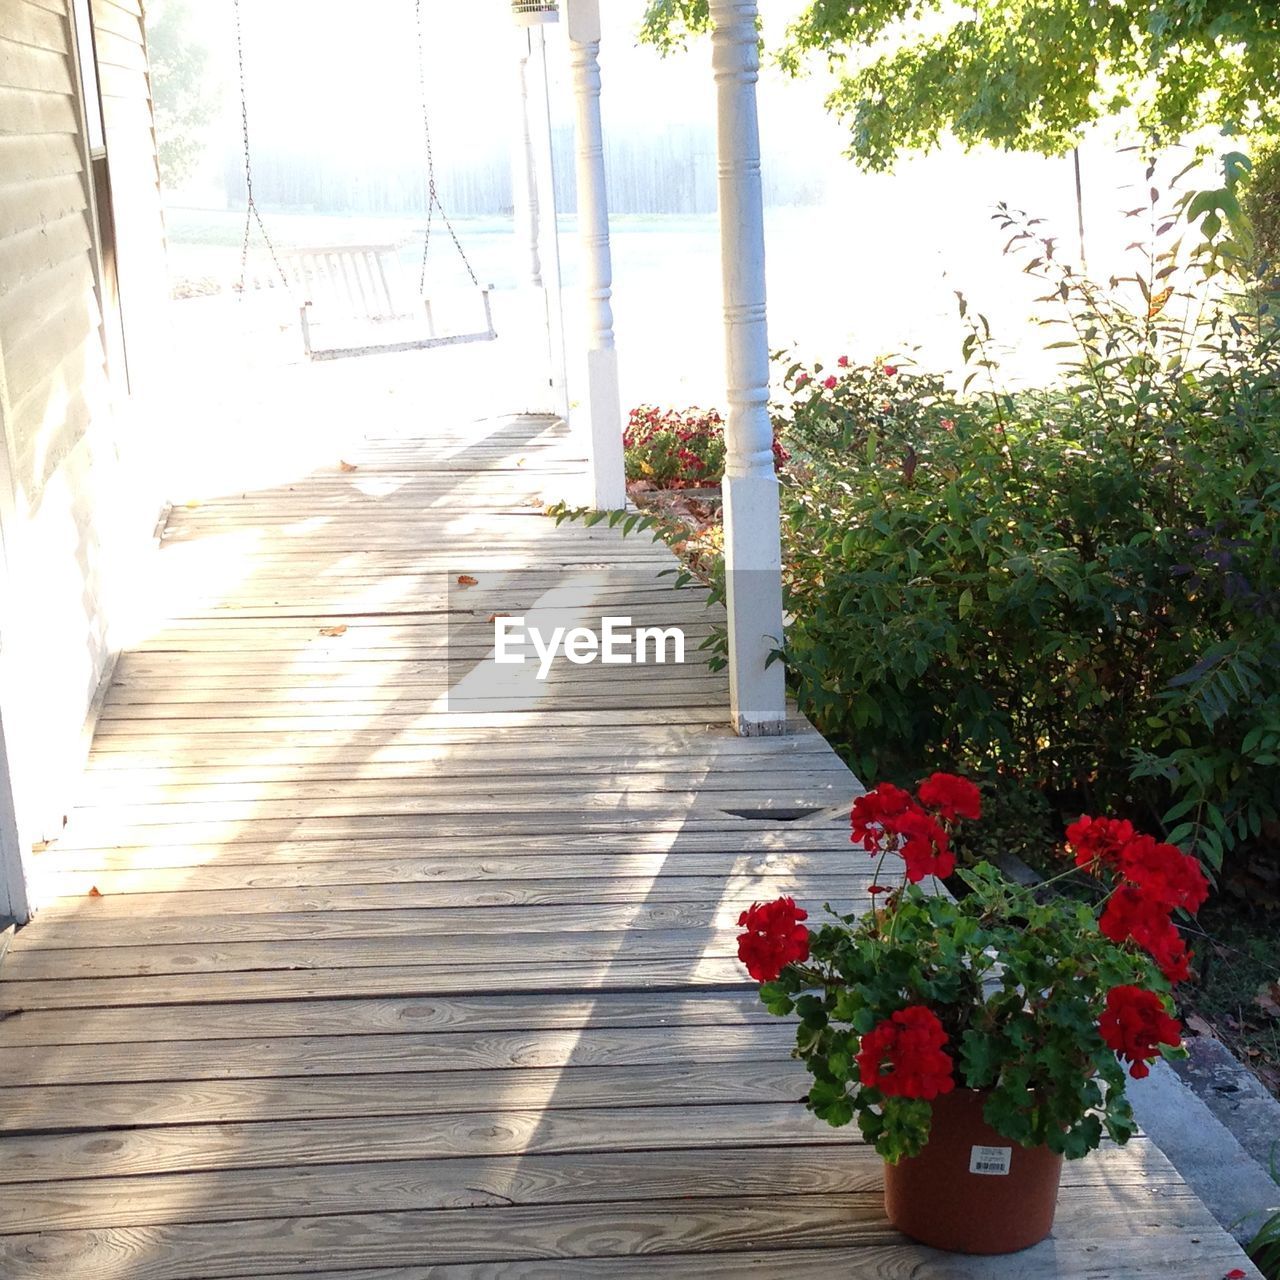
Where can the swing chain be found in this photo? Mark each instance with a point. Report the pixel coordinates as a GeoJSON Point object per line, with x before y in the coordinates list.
{"type": "Point", "coordinates": [433, 194]}
{"type": "Point", "coordinates": [251, 212]}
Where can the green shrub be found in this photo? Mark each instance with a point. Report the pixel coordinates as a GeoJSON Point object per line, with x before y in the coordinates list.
{"type": "Point", "coordinates": [1077, 590]}
{"type": "Point", "coordinates": [1261, 203]}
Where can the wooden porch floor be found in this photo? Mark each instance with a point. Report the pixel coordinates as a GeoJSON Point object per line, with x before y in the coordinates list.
{"type": "Point", "coordinates": [338, 982]}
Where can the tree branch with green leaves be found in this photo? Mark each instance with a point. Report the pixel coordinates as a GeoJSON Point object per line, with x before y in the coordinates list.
{"type": "Point", "coordinates": [1022, 75]}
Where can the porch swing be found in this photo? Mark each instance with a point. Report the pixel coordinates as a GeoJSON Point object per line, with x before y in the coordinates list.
{"type": "Point", "coordinates": [350, 297]}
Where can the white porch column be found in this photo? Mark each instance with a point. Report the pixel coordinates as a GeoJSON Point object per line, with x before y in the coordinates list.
{"type": "Point", "coordinates": [534, 191]}
{"type": "Point", "coordinates": [603, 404]}
{"type": "Point", "coordinates": [524, 174]}
{"type": "Point", "coordinates": [753, 558]}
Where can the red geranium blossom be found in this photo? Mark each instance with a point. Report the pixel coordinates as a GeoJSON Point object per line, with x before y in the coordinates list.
{"type": "Point", "coordinates": [1131, 915]}
{"type": "Point", "coordinates": [774, 938]}
{"type": "Point", "coordinates": [1135, 1024]}
{"type": "Point", "coordinates": [1098, 841]}
{"type": "Point", "coordinates": [877, 813]}
{"type": "Point", "coordinates": [925, 847]}
{"type": "Point", "coordinates": [903, 1056]}
{"type": "Point", "coordinates": [831, 383]}
{"type": "Point", "coordinates": [888, 820]}
{"type": "Point", "coordinates": [950, 796]}
{"type": "Point", "coordinates": [1164, 874]}
{"type": "Point", "coordinates": [843, 362]}
{"type": "Point", "coordinates": [890, 370]}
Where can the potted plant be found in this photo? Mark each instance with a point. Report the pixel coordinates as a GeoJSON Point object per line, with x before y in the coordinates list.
{"type": "Point", "coordinates": [979, 1039]}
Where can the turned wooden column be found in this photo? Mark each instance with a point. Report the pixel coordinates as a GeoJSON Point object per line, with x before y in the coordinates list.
{"type": "Point", "coordinates": [602, 404]}
{"type": "Point", "coordinates": [753, 559]}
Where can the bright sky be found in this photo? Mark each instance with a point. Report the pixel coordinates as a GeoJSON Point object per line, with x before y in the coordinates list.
{"type": "Point", "coordinates": [314, 73]}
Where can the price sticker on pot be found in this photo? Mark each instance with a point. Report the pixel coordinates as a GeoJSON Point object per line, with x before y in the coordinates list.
{"type": "Point", "coordinates": [992, 1161]}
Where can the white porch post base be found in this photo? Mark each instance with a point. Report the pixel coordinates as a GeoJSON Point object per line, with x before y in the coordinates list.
{"type": "Point", "coordinates": [608, 480]}
{"type": "Point", "coordinates": [752, 544]}
{"type": "Point", "coordinates": [753, 581]}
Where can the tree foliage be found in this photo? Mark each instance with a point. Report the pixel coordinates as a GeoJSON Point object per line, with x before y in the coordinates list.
{"type": "Point", "coordinates": [186, 100]}
{"type": "Point", "coordinates": [1024, 75]}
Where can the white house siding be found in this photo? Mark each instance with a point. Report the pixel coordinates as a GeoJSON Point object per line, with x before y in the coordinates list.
{"type": "Point", "coordinates": [62, 502]}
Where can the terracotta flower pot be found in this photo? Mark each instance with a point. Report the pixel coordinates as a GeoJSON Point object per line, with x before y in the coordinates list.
{"type": "Point", "coordinates": [971, 1190]}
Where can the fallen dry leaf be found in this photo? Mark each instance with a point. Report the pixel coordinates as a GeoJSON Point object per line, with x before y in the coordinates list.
{"type": "Point", "coordinates": [493, 617]}
{"type": "Point", "coordinates": [1268, 999]}
{"type": "Point", "coordinates": [95, 892]}
{"type": "Point", "coordinates": [347, 466]}
{"type": "Point", "coordinates": [466, 580]}
{"type": "Point", "coordinates": [1197, 1024]}
{"type": "Point", "coordinates": [339, 630]}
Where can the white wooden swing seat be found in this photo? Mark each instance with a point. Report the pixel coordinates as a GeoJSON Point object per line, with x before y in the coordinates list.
{"type": "Point", "coordinates": [353, 300]}
{"type": "Point", "coordinates": [350, 296]}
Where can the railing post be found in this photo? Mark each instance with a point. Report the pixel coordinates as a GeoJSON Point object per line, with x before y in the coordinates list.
{"type": "Point", "coordinates": [603, 403]}
{"type": "Point", "coordinates": [753, 558]}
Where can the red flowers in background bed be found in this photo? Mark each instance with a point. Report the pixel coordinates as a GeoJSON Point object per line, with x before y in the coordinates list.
{"type": "Point", "coordinates": [1135, 1024]}
{"type": "Point", "coordinates": [890, 820]}
{"type": "Point", "coordinates": [903, 1056]}
{"type": "Point", "coordinates": [774, 938]}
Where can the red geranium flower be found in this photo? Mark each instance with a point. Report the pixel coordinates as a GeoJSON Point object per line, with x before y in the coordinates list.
{"type": "Point", "coordinates": [831, 383]}
{"type": "Point", "coordinates": [1135, 1024]}
{"type": "Point", "coordinates": [947, 424]}
{"type": "Point", "coordinates": [1164, 874]}
{"type": "Point", "coordinates": [890, 370]}
{"type": "Point", "coordinates": [843, 362]}
{"type": "Point", "coordinates": [925, 847]}
{"type": "Point", "coordinates": [1098, 841]}
{"type": "Point", "coordinates": [888, 820]}
{"type": "Point", "coordinates": [801, 379]}
{"type": "Point", "coordinates": [903, 1056]}
{"type": "Point", "coordinates": [1130, 915]}
{"type": "Point", "coordinates": [875, 815]}
{"type": "Point", "coordinates": [774, 938]}
{"type": "Point", "coordinates": [950, 796]}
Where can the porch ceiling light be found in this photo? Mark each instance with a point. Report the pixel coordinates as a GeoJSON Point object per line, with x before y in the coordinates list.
{"type": "Point", "coordinates": [534, 13]}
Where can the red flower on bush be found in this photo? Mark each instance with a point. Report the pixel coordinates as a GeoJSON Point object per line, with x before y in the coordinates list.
{"type": "Point", "coordinates": [1164, 874]}
{"type": "Point", "coordinates": [831, 383]}
{"type": "Point", "coordinates": [903, 1056]}
{"type": "Point", "coordinates": [773, 938]}
{"type": "Point", "coordinates": [890, 370]}
{"type": "Point", "coordinates": [1097, 842]}
{"type": "Point", "coordinates": [950, 796]}
{"type": "Point", "coordinates": [1135, 1024]}
{"type": "Point", "coordinates": [947, 424]}
{"type": "Point", "coordinates": [843, 362]}
{"type": "Point", "coordinates": [1130, 915]}
{"type": "Point", "coordinates": [801, 379]}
